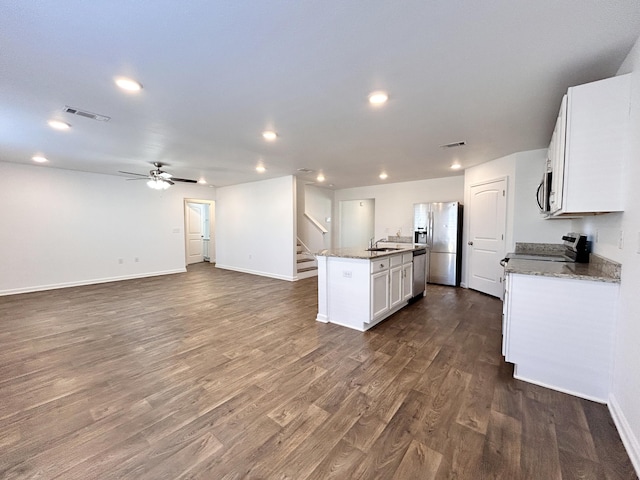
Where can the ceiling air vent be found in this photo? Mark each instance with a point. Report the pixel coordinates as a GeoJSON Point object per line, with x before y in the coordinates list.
{"type": "Point", "coordinates": [453, 145]}
{"type": "Point", "coordinates": [86, 114]}
{"type": "Point", "coordinates": [305, 170]}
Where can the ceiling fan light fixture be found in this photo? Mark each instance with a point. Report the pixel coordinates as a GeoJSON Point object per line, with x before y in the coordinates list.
{"type": "Point", "coordinates": [383, 176]}
{"type": "Point", "coordinates": [158, 183]}
{"type": "Point", "coordinates": [261, 168]}
{"type": "Point", "coordinates": [202, 181]}
{"type": "Point", "coordinates": [39, 159]}
{"type": "Point", "coordinates": [456, 166]}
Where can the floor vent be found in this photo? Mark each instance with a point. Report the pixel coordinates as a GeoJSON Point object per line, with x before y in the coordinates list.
{"type": "Point", "coordinates": [86, 114]}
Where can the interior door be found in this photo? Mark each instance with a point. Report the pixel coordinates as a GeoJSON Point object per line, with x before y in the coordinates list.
{"type": "Point", "coordinates": [194, 232]}
{"type": "Point", "coordinates": [486, 247]}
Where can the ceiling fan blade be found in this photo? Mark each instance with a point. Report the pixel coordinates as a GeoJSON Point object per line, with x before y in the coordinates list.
{"type": "Point", "coordinates": [136, 174]}
{"type": "Point", "coordinates": [183, 180]}
{"type": "Point", "coordinates": [144, 178]}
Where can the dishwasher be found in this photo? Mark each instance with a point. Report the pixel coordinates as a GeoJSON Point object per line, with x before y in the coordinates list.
{"type": "Point", "coordinates": [419, 273]}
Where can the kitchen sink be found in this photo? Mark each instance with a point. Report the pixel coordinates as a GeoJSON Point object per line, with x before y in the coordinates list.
{"type": "Point", "coordinates": [382, 249]}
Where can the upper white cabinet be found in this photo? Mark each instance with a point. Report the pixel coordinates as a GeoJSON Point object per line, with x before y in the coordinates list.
{"type": "Point", "coordinates": [588, 148]}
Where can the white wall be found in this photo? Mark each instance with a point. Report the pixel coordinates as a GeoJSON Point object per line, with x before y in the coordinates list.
{"type": "Point", "coordinates": [625, 399]}
{"type": "Point", "coordinates": [63, 228]}
{"type": "Point", "coordinates": [318, 203]}
{"type": "Point", "coordinates": [256, 227]}
{"type": "Point", "coordinates": [394, 201]}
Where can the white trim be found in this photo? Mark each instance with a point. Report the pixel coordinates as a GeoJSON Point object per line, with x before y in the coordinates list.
{"type": "Point", "coordinates": [557, 389]}
{"type": "Point", "coordinates": [629, 440]}
{"type": "Point", "coordinates": [41, 288]}
{"type": "Point", "coordinates": [322, 318]}
{"type": "Point", "coordinates": [289, 278]}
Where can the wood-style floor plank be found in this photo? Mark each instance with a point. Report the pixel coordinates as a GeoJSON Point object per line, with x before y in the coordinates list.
{"type": "Point", "coordinates": [218, 374]}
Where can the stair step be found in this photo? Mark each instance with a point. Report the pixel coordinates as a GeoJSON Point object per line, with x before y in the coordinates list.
{"type": "Point", "coordinates": [307, 269]}
{"type": "Point", "coordinates": [303, 260]}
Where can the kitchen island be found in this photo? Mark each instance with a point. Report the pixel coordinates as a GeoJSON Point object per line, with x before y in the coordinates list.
{"type": "Point", "coordinates": [358, 288]}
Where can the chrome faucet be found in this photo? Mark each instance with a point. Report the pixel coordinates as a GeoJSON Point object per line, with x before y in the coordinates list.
{"type": "Point", "coordinates": [375, 245]}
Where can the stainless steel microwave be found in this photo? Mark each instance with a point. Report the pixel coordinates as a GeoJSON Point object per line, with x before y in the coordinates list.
{"type": "Point", "coordinates": [544, 192]}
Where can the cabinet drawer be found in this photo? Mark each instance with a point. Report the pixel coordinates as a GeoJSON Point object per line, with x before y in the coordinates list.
{"type": "Point", "coordinates": [379, 265]}
{"type": "Point", "coordinates": [396, 260]}
{"type": "Point", "coordinates": [407, 257]}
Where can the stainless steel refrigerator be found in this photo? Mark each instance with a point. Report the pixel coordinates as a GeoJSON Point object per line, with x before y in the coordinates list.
{"type": "Point", "coordinates": [439, 226]}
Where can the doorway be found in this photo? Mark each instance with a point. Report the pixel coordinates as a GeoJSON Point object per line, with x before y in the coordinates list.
{"type": "Point", "coordinates": [356, 222]}
{"type": "Point", "coordinates": [487, 214]}
{"type": "Point", "coordinates": [199, 226]}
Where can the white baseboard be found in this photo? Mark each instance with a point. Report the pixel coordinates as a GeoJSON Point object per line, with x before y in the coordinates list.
{"type": "Point", "coordinates": [629, 440]}
{"type": "Point", "coordinates": [80, 283]}
{"type": "Point", "coordinates": [289, 278]}
{"type": "Point", "coordinates": [557, 389]}
{"type": "Point", "coordinates": [322, 318]}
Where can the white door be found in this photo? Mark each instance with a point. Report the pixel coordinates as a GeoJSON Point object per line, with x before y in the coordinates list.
{"type": "Point", "coordinates": [194, 232]}
{"type": "Point", "coordinates": [487, 221]}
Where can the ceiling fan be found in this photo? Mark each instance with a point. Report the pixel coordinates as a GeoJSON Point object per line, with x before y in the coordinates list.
{"type": "Point", "coordinates": [158, 179]}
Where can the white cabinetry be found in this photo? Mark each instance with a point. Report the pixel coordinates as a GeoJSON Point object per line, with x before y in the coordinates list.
{"type": "Point", "coordinates": [359, 293]}
{"type": "Point", "coordinates": [559, 333]}
{"type": "Point", "coordinates": [588, 148]}
{"type": "Point", "coordinates": [379, 294]}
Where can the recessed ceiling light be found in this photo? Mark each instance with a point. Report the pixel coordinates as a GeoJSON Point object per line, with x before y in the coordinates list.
{"type": "Point", "coordinates": [39, 159]}
{"type": "Point", "coordinates": [378, 98]}
{"type": "Point", "coordinates": [320, 177]}
{"type": "Point", "coordinates": [456, 166]}
{"type": "Point", "coordinates": [59, 125]}
{"type": "Point", "coordinates": [383, 176]}
{"type": "Point", "coordinates": [260, 169]}
{"type": "Point", "coordinates": [128, 84]}
{"type": "Point", "coordinates": [202, 181]}
{"type": "Point", "coordinates": [269, 135]}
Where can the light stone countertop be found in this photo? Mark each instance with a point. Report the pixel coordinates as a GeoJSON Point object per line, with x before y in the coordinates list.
{"type": "Point", "coordinates": [599, 269]}
{"type": "Point", "coordinates": [363, 254]}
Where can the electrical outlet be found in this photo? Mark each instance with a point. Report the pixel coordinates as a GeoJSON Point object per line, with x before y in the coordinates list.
{"type": "Point", "coordinates": [597, 235]}
{"type": "Point", "coordinates": [621, 240]}
{"type": "Point", "coordinates": [346, 273]}
{"type": "Point", "coordinates": [176, 230]}
{"type": "Point", "coordinates": [121, 261]}
{"type": "Point", "coordinates": [249, 256]}
{"type": "Point", "coordinates": [136, 259]}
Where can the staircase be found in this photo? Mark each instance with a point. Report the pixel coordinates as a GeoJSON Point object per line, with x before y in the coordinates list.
{"type": "Point", "coordinates": [306, 262]}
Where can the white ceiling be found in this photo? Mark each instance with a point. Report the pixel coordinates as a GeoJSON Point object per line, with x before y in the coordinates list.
{"type": "Point", "coordinates": [218, 73]}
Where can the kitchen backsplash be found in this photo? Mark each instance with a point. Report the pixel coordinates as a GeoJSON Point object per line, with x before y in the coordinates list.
{"type": "Point", "coordinates": [400, 239]}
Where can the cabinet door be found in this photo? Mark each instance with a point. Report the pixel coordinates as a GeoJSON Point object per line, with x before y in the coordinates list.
{"type": "Point", "coordinates": [407, 281]}
{"type": "Point", "coordinates": [379, 294]}
{"type": "Point", "coordinates": [557, 155]}
{"type": "Point", "coordinates": [396, 286]}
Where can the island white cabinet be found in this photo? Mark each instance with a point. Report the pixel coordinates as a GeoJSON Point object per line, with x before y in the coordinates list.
{"type": "Point", "coordinates": [588, 148]}
{"type": "Point", "coordinates": [359, 293]}
{"type": "Point", "coordinates": [559, 332]}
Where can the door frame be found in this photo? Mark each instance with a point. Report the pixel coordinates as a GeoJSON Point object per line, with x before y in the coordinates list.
{"type": "Point", "coordinates": [467, 223]}
{"type": "Point", "coordinates": [212, 205]}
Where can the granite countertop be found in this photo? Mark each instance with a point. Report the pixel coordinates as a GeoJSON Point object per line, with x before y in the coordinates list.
{"type": "Point", "coordinates": [363, 254]}
{"type": "Point", "coordinates": [599, 269]}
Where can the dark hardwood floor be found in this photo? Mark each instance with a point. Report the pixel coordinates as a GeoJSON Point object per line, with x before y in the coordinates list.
{"type": "Point", "coordinates": [215, 374]}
